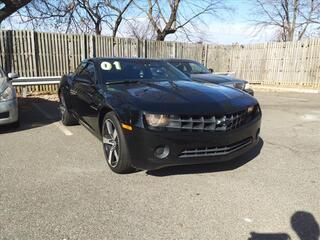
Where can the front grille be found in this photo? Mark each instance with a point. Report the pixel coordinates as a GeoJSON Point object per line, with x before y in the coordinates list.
{"type": "Point", "coordinates": [225, 122]}
{"type": "Point", "coordinates": [214, 151]}
{"type": "Point", "coordinates": [4, 115]}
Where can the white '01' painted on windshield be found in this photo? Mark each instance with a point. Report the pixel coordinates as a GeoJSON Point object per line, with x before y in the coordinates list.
{"type": "Point", "coordinates": [107, 66]}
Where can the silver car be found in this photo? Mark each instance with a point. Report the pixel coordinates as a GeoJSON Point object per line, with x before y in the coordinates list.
{"type": "Point", "coordinates": [8, 100]}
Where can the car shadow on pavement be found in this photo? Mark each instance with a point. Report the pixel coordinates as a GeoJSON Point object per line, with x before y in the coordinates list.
{"type": "Point", "coordinates": [34, 112]}
{"type": "Point", "coordinates": [212, 167]}
{"type": "Point", "coordinates": [303, 223]}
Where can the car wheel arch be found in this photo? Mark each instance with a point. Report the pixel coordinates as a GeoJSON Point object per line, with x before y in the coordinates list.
{"type": "Point", "coordinates": [102, 113]}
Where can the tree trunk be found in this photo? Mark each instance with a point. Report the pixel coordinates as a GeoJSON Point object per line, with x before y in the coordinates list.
{"type": "Point", "coordinates": [161, 36]}
{"type": "Point", "coordinates": [10, 8]}
{"type": "Point", "coordinates": [116, 27]}
{"type": "Point", "coordinates": [98, 28]}
{"type": "Point", "coordinates": [5, 12]}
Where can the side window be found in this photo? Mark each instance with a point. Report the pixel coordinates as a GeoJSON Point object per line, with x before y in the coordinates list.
{"type": "Point", "coordinates": [1, 74]}
{"type": "Point", "coordinates": [90, 71]}
{"type": "Point", "coordinates": [197, 68]}
{"type": "Point", "coordinates": [86, 71]}
{"type": "Point", "coordinates": [182, 67]}
{"type": "Point", "coordinates": [78, 70]}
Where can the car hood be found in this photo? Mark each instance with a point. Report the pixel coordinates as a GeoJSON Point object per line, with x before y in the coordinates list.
{"type": "Point", "coordinates": [180, 97]}
{"type": "Point", "coordinates": [216, 79]}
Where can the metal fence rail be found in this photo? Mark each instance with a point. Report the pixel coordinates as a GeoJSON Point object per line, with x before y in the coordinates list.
{"type": "Point", "coordinates": [30, 81]}
{"type": "Point", "coordinates": [25, 85]}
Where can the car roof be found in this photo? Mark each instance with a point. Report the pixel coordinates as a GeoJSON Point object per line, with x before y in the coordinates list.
{"type": "Point", "coordinates": [99, 59]}
{"type": "Point", "coordinates": [179, 60]}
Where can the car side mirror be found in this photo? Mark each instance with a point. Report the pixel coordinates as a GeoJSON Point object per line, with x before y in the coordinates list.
{"type": "Point", "coordinates": [211, 70]}
{"type": "Point", "coordinates": [12, 76]}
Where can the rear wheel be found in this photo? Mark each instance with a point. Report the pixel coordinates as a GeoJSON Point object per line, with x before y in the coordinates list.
{"type": "Point", "coordinates": [66, 117]}
{"type": "Point", "coordinates": [114, 145]}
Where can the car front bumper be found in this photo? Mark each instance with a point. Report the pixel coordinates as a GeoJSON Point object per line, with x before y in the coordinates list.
{"type": "Point", "coordinates": [9, 112]}
{"type": "Point", "coordinates": [142, 143]}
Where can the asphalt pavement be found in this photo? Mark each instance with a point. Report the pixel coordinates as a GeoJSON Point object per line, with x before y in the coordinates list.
{"type": "Point", "coordinates": [55, 184]}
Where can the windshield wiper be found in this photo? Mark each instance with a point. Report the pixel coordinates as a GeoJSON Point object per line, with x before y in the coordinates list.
{"type": "Point", "coordinates": [123, 82]}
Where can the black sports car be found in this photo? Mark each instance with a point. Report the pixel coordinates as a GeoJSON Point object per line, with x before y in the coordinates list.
{"type": "Point", "coordinates": [150, 115]}
{"type": "Point", "coordinates": [200, 73]}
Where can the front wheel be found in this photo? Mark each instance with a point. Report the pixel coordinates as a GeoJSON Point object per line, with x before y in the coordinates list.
{"type": "Point", "coordinates": [114, 145]}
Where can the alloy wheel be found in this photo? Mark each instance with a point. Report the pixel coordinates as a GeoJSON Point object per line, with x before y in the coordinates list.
{"type": "Point", "coordinates": [111, 143]}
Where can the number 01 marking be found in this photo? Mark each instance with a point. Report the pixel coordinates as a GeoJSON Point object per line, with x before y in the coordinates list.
{"type": "Point", "coordinates": [107, 66]}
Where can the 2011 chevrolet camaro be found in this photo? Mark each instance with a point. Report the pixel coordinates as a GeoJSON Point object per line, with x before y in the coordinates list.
{"type": "Point", "coordinates": [149, 115]}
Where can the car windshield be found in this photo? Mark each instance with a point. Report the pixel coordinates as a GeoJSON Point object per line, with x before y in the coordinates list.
{"type": "Point", "coordinates": [132, 70]}
{"type": "Point", "coordinates": [190, 67]}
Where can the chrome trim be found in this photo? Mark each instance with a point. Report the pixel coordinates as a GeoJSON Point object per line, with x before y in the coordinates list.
{"type": "Point", "coordinates": [209, 123]}
{"type": "Point", "coordinates": [215, 151]}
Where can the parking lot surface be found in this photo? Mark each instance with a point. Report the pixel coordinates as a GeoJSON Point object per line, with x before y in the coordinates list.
{"type": "Point", "coordinates": [55, 184]}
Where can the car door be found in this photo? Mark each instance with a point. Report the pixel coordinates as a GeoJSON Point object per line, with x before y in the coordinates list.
{"type": "Point", "coordinates": [86, 104]}
{"type": "Point", "coordinates": [73, 90]}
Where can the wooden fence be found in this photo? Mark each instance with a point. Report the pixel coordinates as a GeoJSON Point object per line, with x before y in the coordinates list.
{"type": "Point", "coordinates": [288, 64]}
{"type": "Point", "coordinates": [32, 53]}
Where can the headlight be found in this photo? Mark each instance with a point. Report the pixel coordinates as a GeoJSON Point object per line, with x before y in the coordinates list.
{"type": "Point", "coordinates": [238, 85]}
{"type": "Point", "coordinates": [228, 84]}
{"type": "Point", "coordinates": [247, 86]}
{"type": "Point", "coordinates": [7, 94]}
{"type": "Point", "coordinates": [156, 120]}
{"type": "Point", "coordinates": [250, 109]}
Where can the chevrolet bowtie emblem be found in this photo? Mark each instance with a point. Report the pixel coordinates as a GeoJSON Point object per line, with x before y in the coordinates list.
{"type": "Point", "coordinates": [221, 121]}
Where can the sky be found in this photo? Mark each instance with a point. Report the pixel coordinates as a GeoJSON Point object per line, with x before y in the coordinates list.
{"type": "Point", "coordinates": [230, 27]}
{"type": "Point", "coordinates": [236, 27]}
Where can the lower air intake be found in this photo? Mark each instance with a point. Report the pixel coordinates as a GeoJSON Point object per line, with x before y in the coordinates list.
{"type": "Point", "coordinates": [215, 151]}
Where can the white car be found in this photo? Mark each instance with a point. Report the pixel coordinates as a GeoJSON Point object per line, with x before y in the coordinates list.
{"type": "Point", "coordinates": [8, 100]}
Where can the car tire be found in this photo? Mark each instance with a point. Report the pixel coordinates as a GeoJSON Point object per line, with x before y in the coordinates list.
{"type": "Point", "coordinates": [67, 118]}
{"type": "Point", "coordinates": [114, 145]}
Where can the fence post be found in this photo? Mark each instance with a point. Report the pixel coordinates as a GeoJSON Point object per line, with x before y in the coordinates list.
{"type": "Point", "coordinates": [8, 50]}
{"type": "Point", "coordinates": [174, 50]}
{"type": "Point", "coordinates": [145, 48]}
{"type": "Point", "coordinates": [70, 51]}
{"type": "Point", "coordinates": [83, 46]}
{"type": "Point", "coordinates": [205, 54]}
{"type": "Point", "coordinates": [91, 46]}
{"type": "Point", "coordinates": [138, 48]}
{"type": "Point", "coordinates": [35, 52]}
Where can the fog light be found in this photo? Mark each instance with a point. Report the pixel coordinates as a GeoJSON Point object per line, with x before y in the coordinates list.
{"type": "Point", "coordinates": [161, 152]}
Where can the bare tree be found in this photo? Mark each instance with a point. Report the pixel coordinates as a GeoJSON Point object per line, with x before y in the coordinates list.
{"type": "Point", "coordinates": [291, 18]}
{"type": "Point", "coordinates": [140, 29]}
{"type": "Point", "coordinates": [117, 17]}
{"type": "Point", "coordinates": [169, 16]}
{"type": "Point", "coordinates": [88, 16]}
{"type": "Point", "coordinates": [8, 7]}
{"type": "Point", "coordinates": [60, 15]}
